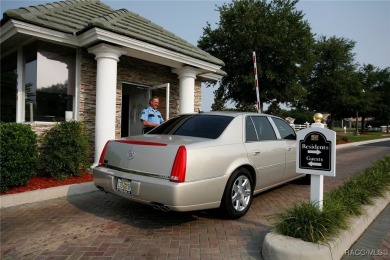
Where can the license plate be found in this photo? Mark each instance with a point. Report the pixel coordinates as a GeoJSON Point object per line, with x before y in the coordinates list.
{"type": "Point", "coordinates": [123, 185]}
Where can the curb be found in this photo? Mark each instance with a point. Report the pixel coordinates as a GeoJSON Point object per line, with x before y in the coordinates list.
{"type": "Point", "coordinates": [11, 200]}
{"type": "Point", "coordinates": [277, 246]}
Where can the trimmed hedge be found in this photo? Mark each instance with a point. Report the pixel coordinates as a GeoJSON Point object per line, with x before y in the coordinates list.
{"type": "Point", "coordinates": [65, 150]}
{"type": "Point", "coordinates": [18, 155]}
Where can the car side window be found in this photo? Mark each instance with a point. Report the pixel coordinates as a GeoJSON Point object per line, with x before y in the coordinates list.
{"type": "Point", "coordinates": [250, 132]}
{"type": "Point", "coordinates": [285, 130]}
{"type": "Point", "coordinates": [259, 129]}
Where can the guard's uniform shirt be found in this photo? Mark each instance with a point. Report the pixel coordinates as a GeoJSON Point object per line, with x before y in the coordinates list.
{"type": "Point", "coordinates": [151, 115]}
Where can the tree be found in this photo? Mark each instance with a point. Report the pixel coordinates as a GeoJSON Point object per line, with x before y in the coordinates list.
{"type": "Point", "coordinates": [371, 78]}
{"type": "Point", "coordinates": [274, 109]}
{"type": "Point", "coordinates": [219, 104]}
{"type": "Point", "coordinates": [382, 88]}
{"type": "Point", "coordinates": [334, 85]}
{"type": "Point", "coordinates": [282, 40]}
{"type": "Point", "coordinates": [301, 115]}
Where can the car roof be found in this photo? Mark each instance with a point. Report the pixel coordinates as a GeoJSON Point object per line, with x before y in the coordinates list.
{"type": "Point", "coordinates": [229, 113]}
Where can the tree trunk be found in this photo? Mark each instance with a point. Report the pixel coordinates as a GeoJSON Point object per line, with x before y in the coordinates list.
{"type": "Point", "coordinates": [331, 122]}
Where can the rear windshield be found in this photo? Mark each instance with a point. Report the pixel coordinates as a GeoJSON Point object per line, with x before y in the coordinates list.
{"type": "Point", "coordinates": [205, 126]}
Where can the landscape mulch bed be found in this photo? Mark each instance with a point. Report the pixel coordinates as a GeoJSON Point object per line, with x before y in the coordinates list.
{"type": "Point", "coordinates": [40, 182]}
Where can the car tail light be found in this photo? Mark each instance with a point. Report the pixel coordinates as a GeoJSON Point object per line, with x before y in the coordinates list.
{"type": "Point", "coordinates": [178, 173]}
{"type": "Point", "coordinates": [101, 160]}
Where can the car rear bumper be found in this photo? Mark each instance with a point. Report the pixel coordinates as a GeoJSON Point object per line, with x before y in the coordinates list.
{"type": "Point", "coordinates": [186, 196]}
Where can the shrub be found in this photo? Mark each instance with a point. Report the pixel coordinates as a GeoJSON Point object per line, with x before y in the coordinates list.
{"type": "Point", "coordinates": [18, 155]}
{"type": "Point", "coordinates": [341, 138]}
{"type": "Point", "coordinates": [65, 150]}
{"type": "Point", "coordinates": [307, 222]}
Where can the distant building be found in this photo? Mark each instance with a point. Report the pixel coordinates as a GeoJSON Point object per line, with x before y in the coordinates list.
{"type": "Point", "coordinates": [82, 60]}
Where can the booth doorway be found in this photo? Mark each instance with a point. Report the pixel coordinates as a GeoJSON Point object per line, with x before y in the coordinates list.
{"type": "Point", "coordinates": [134, 99]}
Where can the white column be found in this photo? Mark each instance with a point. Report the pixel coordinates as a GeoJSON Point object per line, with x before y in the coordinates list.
{"type": "Point", "coordinates": [20, 93]}
{"type": "Point", "coordinates": [71, 90]}
{"type": "Point", "coordinates": [317, 190]}
{"type": "Point", "coordinates": [107, 58]}
{"type": "Point", "coordinates": [187, 76]}
{"type": "Point", "coordinates": [317, 181]}
{"type": "Point", "coordinates": [76, 99]}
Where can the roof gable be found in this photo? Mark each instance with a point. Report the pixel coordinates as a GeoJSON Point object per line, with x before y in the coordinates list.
{"type": "Point", "coordinates": [77, 16]}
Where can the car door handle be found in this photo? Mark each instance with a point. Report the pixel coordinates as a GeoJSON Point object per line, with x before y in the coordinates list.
{"type": "Point", "coordinates": [289, 148]}
{"type": "Point", "coordinates": [255, 153]}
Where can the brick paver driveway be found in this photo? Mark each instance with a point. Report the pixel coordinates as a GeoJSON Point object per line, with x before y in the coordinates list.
{"type": "Point", "coordinates": [100, 226]}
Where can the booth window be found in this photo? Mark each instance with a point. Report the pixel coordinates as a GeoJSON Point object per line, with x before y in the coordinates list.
{"type": "Point", "coordinates": [9, 82]}
{"type": "Point", "coordinates": [49, 81]}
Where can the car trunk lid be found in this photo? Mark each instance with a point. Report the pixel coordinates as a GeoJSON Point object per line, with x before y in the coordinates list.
{"type": "Point", "coordinates": [146, 155]}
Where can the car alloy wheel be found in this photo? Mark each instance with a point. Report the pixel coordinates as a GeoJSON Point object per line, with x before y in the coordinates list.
{"type": "Point", "coordinates": [241, 193]}
{"type": "Point", "coordinates": [238, 194]}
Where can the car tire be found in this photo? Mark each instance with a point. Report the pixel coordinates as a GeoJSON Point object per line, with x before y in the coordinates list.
{"type": "Point", "coordinates": [238, 194]}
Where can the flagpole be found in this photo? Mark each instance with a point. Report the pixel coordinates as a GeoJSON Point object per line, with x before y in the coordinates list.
{"type": "Point", "coordinates": [256, 82]}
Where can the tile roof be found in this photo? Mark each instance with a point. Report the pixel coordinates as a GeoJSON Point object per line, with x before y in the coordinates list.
{"type": "Point", "coordinates": [78, 16]}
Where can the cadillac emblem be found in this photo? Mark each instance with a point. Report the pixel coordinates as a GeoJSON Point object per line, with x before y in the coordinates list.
{"type": "Point", "coordinates": [130, 154]}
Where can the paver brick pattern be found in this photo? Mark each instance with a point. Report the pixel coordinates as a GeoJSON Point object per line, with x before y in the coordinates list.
{"type": "Point", "coordinates": [102, 226]}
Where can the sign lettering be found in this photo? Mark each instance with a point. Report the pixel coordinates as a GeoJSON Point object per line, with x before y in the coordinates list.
{"type": "Point", "coordinates": [316, 151]}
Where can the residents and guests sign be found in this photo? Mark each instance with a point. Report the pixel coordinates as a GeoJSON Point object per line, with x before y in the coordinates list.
{"type": "Point", "coordinates": [316, 152]}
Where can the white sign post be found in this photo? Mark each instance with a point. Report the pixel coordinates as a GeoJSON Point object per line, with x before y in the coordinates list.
{"type": "Point", "coordinates": [316, 155]}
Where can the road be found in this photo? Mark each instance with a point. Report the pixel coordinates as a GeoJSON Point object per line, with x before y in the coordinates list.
{"type": "Point", "coordinates": [101, 226]}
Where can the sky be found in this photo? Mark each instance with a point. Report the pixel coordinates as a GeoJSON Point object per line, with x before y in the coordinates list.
{"type": "Point", "coordinates": [365, 22]}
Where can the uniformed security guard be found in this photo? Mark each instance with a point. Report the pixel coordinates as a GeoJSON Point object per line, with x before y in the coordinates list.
{"type": "Point", "coordinates": [150, 116]}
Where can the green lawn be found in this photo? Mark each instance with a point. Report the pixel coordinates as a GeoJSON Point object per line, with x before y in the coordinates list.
{"type": "Point", "coordinates": [367, 136]}
{"type": "Point", "coordinates": [363, 136]}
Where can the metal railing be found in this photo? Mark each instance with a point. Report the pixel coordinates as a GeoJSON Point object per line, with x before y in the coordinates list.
{"type": "Point", "coordinates": [298, 127]}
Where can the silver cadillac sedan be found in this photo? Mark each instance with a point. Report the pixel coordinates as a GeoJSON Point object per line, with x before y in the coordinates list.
{"type": "Point", "coordinates": [201, 161]}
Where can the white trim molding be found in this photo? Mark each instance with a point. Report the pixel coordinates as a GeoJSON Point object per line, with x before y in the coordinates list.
{"type": "Point", "coordinates": [13, 27]}
{"type": "Point", "coordinates": [140, 49]}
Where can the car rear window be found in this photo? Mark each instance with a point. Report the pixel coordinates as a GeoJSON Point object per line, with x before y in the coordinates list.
{"type": "Point", "coordinates": [205, 126]}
